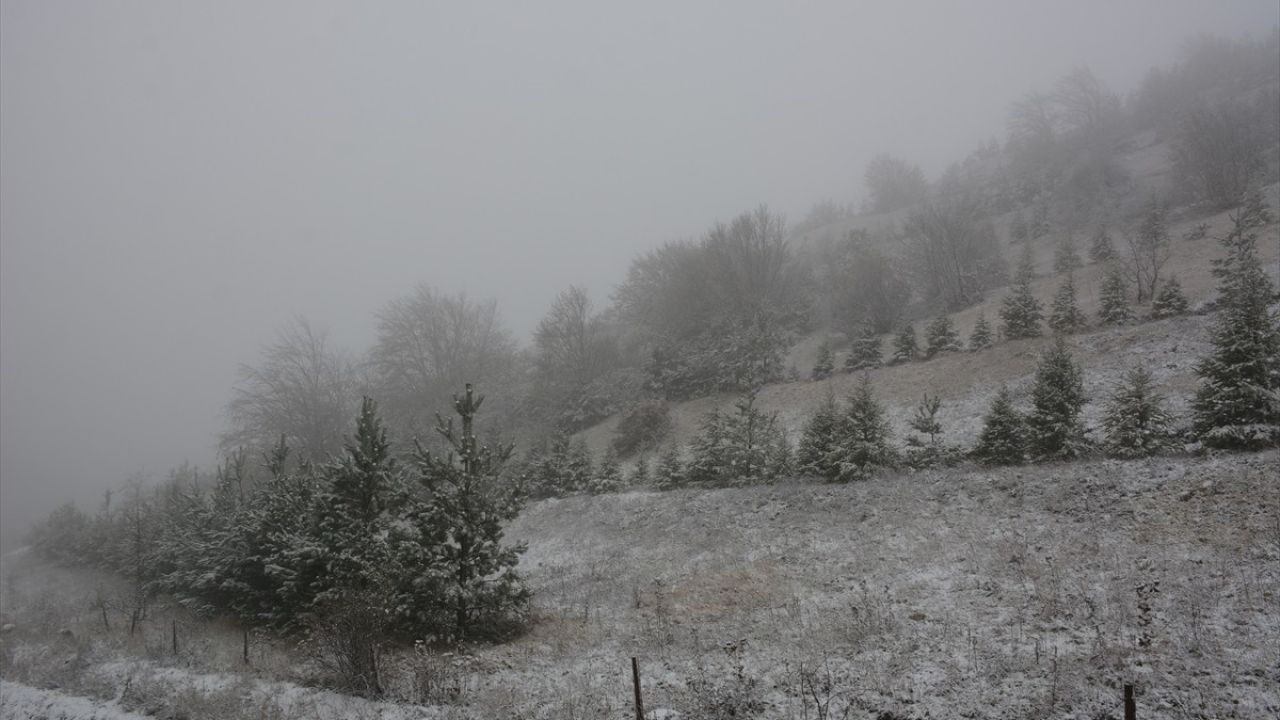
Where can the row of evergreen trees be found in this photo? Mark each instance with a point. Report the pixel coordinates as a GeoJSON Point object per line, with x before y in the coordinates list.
{"type": "Point", "coordinates": [416, 542]}
{"type": "Point", "coordinates": [1236, 408]}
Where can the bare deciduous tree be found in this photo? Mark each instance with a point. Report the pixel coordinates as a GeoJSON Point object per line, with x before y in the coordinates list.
{"type": "Point", "coordinates": [952, 253]}
{"type": "Point", "coordinates": [429, 344]}
{"type": "Point", "coordinates": [300, 389]}
{"type": "Point", "coordinates": [1149, 250]}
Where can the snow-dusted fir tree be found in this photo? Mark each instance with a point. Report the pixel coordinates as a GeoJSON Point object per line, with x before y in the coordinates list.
{"type": "Point", "coordinates": [1003, 438]}
{"type": "Point", "coordinates": [640, 473]}
{"type": "Point", "coordinates": [925, 448]}
{"type": "Point", "coordinates": [362, 486]}
{"type": "Point", "coordinates": [579, 467]}
{"type": "Point", "coordinates": [864, 436]}
{"type": "Point", "coordinates": [864, 351]}
{"type": "Point", "coordinates": [1055, 430]}
{"type": "Point", "coordinates": [741, 447]}
{"type": "Point", "coordinates": [1021, 313]}
{"type": "Point", "coordinates": [470, 574]}
{"type": "Point", "coordinates": [1238, 403]}
{"type": "Point", "coordinates": [905, 347]}
{"type": "Point", "coordinates": [1136, 423]}
{"type": "Point", "coordinates": [980, 338]}
{"type": "Point", "coordinates": [824, 364]}
{"type": "Point", "coordinates": [1113, 301]}
{"type": "Point", "coordinates": [1065, 257]}
{"type": "Point", "coordinates": [940, 336]}
{"type": "Point", "coordinates": [1101, 248]}
{"type": "Point", "coordinates": [1170, 301]}
{"type": "Point", "coordinates": [1065, 316]}
{"type": "Point", "coordinates": [669, 472]}
{"type": "Point", "coordinates": [816, 452]}
{"type": "Point", "coordinates": [608, 475]}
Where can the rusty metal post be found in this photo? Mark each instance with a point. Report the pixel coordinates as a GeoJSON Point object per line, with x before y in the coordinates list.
{"type": "Point", "coordinates": [635, 680]}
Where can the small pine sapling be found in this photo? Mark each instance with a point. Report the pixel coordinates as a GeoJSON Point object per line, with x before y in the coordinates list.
{"type": "Point", "coordinates": [980, 338]}
{"type": "Point", "coordinates": [1170, 301]}
{"type": "Point", "coordinates": [1021, 313]}
{"type": "Point", "coordinates": [1065, 316]}
{"type": "Point", "coordinates": [1054, 428]}
{"type": "Point", "coordinates": [1065, 257]}
{"type": "Point", "coordinates": [670, 470]}
{"type": "Point", "coordinates": [608, 476]}
{"type": "Point", "coordinates": [816, 453]}
{"type": "Point", "coordinates": [925, 448]}
{"type": "Point", "coordinates": [1003, 439]}
{"type": "Point", "coordinates": [941, 336]}
{"type": "Point", "coordinates": [1101, 248]}
{"type": "Point", "coordinates": [824, 364]}
{"type": "Point", "coordinates": [905, 347]}
{"type": "Point", "coordinates": [1136, 422]}
{"type": "Point", "coordinates": [864, 352]}
{"type": "Point", "coordinates": [1113, 302]}
{"type": "Point", "coordinates": [864, 436]}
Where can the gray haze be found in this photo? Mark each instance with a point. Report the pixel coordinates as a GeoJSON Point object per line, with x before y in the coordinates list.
{"type": "Point", "coordinates": [178, 179]}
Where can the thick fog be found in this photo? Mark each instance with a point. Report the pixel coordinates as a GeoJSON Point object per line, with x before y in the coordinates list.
{"type": "Point", "coordinates": [178, 179]}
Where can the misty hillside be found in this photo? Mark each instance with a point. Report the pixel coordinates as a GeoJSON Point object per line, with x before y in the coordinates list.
{"type": "Point", "coordinates": [529, 406]}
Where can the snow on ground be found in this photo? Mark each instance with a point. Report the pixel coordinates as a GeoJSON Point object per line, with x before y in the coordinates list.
{"type": "Point", "coordinates": [21, 702]}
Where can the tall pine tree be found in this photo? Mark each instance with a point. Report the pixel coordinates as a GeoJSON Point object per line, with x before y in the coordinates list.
{"type": "Point", "coordinates": [1021, 313]}
{"type": "Point", "coordinates": [1238, 403]}
{"type": "Point", "coordinates": [1054, 428]}
{"type": "Point", "coordinates": [864, 433]}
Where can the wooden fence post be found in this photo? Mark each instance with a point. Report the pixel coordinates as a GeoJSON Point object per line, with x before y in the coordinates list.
{"type": "Point", "coordinates": [175, 636]}
{"type": "Point", "coordinates": [246, 646]}
{"type": "Point", "coordinates": [635, 680]}
{"type": "Point", "coordinates": [1130, 708]}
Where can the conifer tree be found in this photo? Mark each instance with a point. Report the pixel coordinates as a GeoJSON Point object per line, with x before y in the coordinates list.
{"type": "Point", "coordinates": [1065, 257]}
{"type": "Point", "coordinates": [865, 350]}
{"type": "Point", "coordinates": [941, 336]}
{"type": "Point", "coordinates": [980, 338]}
{"type": "Point", "coordinates": [738, 448]}
{"type": "Point", "coordinates": [1238, 403]}
{"type": "Point", "coordinates": [1003, 439]}
{"type": "Point", "coordinates": [579, 468]}
{"type": "Point", "coordinates": [670, 471]}
{"type": "Point", "coordinates": [905, 347]}
{"type": "Point", "coordinates": [1054, 428]}
{"type": "Point", "coordinates": [864, 433]}
{"type": "Point", "coordinates": [1136, 423]}
{"type": "Point", "coordinates": [1170, 301]}
{"type": "Point", "coordinates": [823, 366]}
{"type": "Point", "coordinates": [1113, 303]}
{"type": "Point", "coordinates": [362, 486]}
{"type": "Point", "coordinates": [1101, 248]}
{"type": "Point", "coordinates": [816, 452]}
{"type": "Point", "coordinates": [1021, 313]}
{"type": "Point", "coordinates": [1065, 316]}
{"type": "Point", "coordinates": [469, 583]}
{"type": "Point", "coordinates": [608, 476]}
{"type": "Point", "coordinates": [925, 449]}
{"type": "Point", "coordinates": [640, 473]}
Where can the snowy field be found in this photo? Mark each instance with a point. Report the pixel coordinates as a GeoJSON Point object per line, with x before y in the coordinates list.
{"type": "Point", "coordinates": [1020, 592]}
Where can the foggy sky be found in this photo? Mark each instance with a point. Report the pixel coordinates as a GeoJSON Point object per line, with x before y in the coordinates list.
{"type": "Point", "coordinates": [178, 179]}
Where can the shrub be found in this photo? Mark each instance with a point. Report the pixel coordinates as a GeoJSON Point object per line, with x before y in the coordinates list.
{"type": "Point", "coordinates": [642, 428]}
